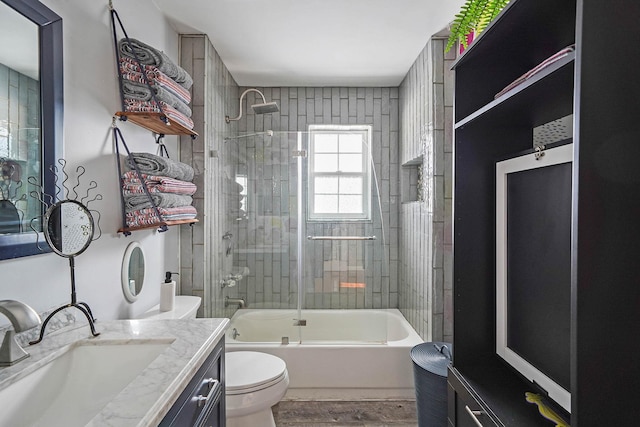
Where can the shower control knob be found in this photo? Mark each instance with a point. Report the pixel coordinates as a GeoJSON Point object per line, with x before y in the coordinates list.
{"type": "Point", "coordinates": [231, 283]}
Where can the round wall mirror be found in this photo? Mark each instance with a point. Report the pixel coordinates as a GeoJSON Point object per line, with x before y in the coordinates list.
{"type": "Point", "coordinates": [133, 271]}
{"type": "Point", "coordinates": [68, 228]}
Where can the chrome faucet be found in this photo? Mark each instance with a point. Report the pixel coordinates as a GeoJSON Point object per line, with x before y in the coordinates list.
{"type": "Point", "coordinates": [240, 301]}
{"type": "Point", "coordinates": [22, 318]}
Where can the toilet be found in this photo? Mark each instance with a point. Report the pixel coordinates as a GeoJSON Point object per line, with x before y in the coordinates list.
{"type": "Point", "coordinates": [254, 383]}
{"type": "Point", "coordinates": [184, 307]}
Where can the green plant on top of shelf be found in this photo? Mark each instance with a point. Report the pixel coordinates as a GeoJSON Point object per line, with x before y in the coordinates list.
{"type": "Point", "coordinates": [474, 16]}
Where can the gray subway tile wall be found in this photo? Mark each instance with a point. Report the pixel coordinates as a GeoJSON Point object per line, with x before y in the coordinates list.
{"type": "Point", "coordinates": [203, 257]}
{"type": "Point", "coordinates": [20, 135]}
{"type": "Point", "coordinates": [267, 240]}
{"type": "Point", "coordinates": [426, 108]}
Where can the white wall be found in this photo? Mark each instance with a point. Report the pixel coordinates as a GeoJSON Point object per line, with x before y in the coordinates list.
{"type": "Point", "coordinates": [90, 99]}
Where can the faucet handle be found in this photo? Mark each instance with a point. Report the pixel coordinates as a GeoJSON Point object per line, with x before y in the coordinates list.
{"type": "Point", "coordinates": [22, 316]}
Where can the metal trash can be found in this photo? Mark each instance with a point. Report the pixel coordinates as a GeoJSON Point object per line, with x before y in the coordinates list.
{"type": "Point", "coordinates": [430, 361]}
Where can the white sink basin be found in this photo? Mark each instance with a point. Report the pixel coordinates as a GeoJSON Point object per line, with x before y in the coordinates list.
{"type": "Point", "coordinates": [74, 387]}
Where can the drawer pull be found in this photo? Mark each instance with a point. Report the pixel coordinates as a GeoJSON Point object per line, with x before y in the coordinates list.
{"type": "Point", "coordinates": [202, 400]}
{"type": "Point", "coordinates": [474, 415]}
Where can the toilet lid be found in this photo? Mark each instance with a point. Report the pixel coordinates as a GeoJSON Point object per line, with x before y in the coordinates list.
{"type": "Point", "coordinates": [248, 371]}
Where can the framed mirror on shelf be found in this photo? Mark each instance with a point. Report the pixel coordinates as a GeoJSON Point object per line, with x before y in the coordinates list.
{"type": "Point", "coordinates": [31, 113]}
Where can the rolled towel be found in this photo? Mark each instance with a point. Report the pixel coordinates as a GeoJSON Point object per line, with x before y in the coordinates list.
{"type": "Point", "coordinates": [131, 71]}
{"type": "Point", "coordinates": [155, 165]}
{"type": "Point", "coordinates": [151, 56]}
{"type": "Point", "coordinates": [161, 200]}
{"type": "Point", "coordinates": [141, 92]}
{"type": "Point", "coordinates": [151, 107]}
{"type": "Point", "coordinates": [131, 185]}
{"type": "Point", "coordinates": [148, 216]}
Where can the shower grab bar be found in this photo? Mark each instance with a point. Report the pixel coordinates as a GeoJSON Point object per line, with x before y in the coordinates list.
{"type": "Point", "coordinates": [341, 237]}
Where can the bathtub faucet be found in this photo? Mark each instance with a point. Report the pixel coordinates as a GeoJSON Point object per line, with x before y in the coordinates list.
{"type": "Point", "coordinates": [239, 301]}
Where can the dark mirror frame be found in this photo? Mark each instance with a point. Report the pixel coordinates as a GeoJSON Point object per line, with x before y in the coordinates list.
{"type": "Point", "coordinates": [51, 102]}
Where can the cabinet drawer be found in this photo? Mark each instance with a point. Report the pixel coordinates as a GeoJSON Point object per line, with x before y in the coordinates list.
{"type": "Point", "coordinates": [464, 410]}
{"type": "Point", "coordinates": [471, 415]}
{"type": "Point", "coordinates": [202, 401]}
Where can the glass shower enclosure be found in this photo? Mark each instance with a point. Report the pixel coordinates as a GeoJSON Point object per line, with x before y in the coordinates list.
{"type": "Point", "coordinates": [309, 232]}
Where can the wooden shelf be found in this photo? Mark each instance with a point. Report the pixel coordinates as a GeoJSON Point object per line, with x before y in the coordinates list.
{"type": "Point", "coordinates": [127, 230]}
{"type": "Point", "coordinates": [154, 123]}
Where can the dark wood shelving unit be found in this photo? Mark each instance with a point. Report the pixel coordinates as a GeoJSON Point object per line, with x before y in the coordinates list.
{"type": "Point", "coordinates": [600, 88]}
{"type": "Point", "coordinates": [155, 123]}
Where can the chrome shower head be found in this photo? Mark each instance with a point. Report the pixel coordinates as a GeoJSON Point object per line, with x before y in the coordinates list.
{"type": "Point", "coordinates": [263, 108]}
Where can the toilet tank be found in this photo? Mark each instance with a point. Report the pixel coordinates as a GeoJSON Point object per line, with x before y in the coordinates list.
{"type": "Point", "coordinates": [185, 307]}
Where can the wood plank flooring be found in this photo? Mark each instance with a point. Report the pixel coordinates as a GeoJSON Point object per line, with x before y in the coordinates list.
{"type": "Point", "coordinates": [371, 413]}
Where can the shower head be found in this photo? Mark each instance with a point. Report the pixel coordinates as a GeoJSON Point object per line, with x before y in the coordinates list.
{"type": "Point", "coordinates": [266, 108]}
{"type": "Point", "coordinates": [262, 108]}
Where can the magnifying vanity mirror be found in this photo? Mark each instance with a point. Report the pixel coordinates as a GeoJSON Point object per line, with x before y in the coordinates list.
{"type": "Point", "coordinates": [69, 228]}
{"type": "Point", "coordinates": [133, 271]}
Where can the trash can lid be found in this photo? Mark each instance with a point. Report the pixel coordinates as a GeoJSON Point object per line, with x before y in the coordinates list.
{"type": "Point", "coordinates": [433, 357]}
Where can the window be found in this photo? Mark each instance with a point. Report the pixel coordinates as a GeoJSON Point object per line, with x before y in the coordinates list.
{"type": "Point", "coordinates": [339, 172]}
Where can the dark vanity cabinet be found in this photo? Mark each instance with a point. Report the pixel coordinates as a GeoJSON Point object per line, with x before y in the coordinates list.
{"type": "Point", "coordinates": [202, 403]}
{"type": "Point", "coordinates": [599, 86]}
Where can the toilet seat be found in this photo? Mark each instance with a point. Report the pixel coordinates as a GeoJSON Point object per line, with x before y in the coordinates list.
{"type": "Point", "coordinates": [250, 371]}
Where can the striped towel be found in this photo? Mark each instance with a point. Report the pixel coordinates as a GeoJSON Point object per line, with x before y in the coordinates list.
{"type": "Point", "coordinates": [535, 70]}
{"type": "Point", "coordinates": [153, 57]}
{"type": "Point", "coordinates": [162, 200]}
{"type": "Point", "coordinates": [141, 91]}
{"type": "Point", "coordinates": [155, 184]}
{"type": "Point", "coordinates": [130, 68]}
{"type": "Point", "coordinates": [151, 107]}
{"type": "Point", "coordinates": [148, 216]}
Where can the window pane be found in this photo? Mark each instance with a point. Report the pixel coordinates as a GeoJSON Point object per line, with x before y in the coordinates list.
{"type": "Point", "coordinates": [326, 185]}
{"type": "Point", "coordinates": [351, 143]}
{"type": "Point", "coordinates": [350, 185]}
{"type": "Point", "coordinates": [326, 143]}
{"type": "Point", "coordinates": [325, 204]}
{"type": "Point", "coordinates": [351, 162]}
{"type": "Point", "coordinates": [325, 162]}
{"type": "Point", "coordinates": [350, 204]}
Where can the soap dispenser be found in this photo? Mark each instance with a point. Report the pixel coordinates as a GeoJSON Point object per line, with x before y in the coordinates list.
{"type": "Point", "coordinates": [167, 292]}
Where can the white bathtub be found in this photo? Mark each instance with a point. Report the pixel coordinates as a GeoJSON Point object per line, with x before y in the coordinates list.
{"type": "Point", "coordinates": [343, 354]}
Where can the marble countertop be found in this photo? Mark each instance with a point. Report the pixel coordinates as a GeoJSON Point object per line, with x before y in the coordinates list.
{"type": "Point", "coordinates": [147, 399]}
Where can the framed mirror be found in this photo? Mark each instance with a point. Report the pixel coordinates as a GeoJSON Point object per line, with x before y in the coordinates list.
{"type": "Point", "coordinates": [31, 104]}
{"type": "Point", "coordinates": [133, 271]}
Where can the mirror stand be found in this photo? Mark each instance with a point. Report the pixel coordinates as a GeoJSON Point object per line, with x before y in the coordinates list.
{"type": "Point", "coordinates": [69, 229]}
{"type": "Point", "coordinates": [82, 306]}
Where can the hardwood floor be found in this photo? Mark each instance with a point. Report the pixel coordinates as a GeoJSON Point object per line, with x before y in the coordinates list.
{"type": "Point", "coordinates": [375, 413]}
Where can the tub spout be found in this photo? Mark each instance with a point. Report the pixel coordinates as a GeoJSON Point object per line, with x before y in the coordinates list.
{"type": "Point", "coordinates": [239, 301]}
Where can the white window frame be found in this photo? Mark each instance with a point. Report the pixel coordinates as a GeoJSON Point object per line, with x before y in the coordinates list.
{"type": "Point", "coordinates": [366, 132]}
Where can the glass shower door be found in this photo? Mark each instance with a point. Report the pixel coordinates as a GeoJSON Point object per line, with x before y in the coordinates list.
{"type": "Point", "coordinates": [345, 264]}
{"type": "Point", "coordinates": [265, 176]}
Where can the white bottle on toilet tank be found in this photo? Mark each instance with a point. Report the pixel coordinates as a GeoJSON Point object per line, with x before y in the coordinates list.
{"type": "Point", "coordinates": [167, 292]}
